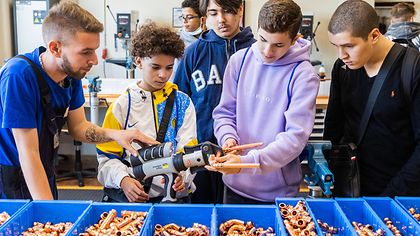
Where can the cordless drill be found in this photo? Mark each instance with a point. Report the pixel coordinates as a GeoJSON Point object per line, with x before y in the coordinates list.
{"type": "Point", "coordinates": [160, 160]}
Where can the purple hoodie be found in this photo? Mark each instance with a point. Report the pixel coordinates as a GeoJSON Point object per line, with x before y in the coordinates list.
{"type": "Point", "coordinates": [253, 109]}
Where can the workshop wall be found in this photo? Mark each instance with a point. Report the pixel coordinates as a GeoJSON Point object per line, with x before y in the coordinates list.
{"type": "Point", "coordinates": [161, 12]}
{"type": "Point", "coordinates": [6, 30]}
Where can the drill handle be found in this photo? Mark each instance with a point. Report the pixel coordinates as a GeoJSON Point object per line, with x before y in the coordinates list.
{"type": "Point", "coordinates": [170, 194]}
{"type": "Point", "coordinates": [197, 169]}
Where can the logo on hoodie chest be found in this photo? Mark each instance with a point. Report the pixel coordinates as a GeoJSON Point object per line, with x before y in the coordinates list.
{"type": "Point", "coordinates": [200, 81]}
{"type": "Point", "coordinates": [259, 97]}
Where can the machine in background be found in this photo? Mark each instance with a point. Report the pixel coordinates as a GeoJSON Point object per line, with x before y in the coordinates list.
{"type": "Point", "coordinates": [127, 24]}
{"type": "Point", "coordinates": [320, 180]}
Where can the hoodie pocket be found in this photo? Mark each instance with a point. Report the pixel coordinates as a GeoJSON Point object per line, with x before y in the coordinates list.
{"type": "Point", "coordinates": [292, 173]}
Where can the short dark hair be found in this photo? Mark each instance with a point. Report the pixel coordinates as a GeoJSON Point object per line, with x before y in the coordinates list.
{"type": "Point", "coordinates": [231, 6]}
{"type": "Point", "coordinates": [193, 4]}
{"type": "Point", "coordinates": [67, 18]}
{"type": "Point", "coordinates": [403, 11]}
{"type": "Point", "coordinates": [355, 16]}
{"type": "Point", "coordinates": [279, 16]}
{"type": "Point", "coordinates": [152, 40]}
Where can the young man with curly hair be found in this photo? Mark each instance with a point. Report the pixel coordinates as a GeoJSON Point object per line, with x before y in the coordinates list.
{"type": "Point", "coordinates": [200, 75]}
{"type": "Point", "coordinates": [154, 49]}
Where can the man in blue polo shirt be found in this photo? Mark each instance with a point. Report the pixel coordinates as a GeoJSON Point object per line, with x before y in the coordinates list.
{"type": "Point", "coordinates": [39, 92]}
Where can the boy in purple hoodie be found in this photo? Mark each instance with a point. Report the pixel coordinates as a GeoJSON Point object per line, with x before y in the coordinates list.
{"type": "Point", "coordinates": [268, 96]}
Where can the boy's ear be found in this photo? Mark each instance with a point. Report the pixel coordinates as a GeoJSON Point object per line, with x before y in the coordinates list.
{"type": "Point", "coordinates": [375, 35]}
{"type": "Point", "coordinates": [137, 61]}
{"type": "Point", "coordinates": [411, 19]}
{"type": "Point", "coordinates": [296, 38]}
{"type": "Point", "coordinates": [241, 10]}
{"type": "Point", "coordinates": [203, 20]}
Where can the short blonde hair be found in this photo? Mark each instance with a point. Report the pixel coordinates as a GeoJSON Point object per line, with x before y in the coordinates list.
{"type": "Point", "coordinates": [402, 11]}
{"type": "Point", "coordinates": [66, 19]}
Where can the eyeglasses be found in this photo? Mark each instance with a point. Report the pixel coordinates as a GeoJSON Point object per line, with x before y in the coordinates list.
{"type": "Point", "coordinates": [188, 17]}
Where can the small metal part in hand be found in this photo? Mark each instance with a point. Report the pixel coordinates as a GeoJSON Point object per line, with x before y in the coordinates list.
{"type": "Point", "coordinates": [235, 165]}
{"type": "Point", "coordinates": [242, 147]}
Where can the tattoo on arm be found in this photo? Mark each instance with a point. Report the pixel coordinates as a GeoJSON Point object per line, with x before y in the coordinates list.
{"type": "Point", "coordinates": [93, 136]}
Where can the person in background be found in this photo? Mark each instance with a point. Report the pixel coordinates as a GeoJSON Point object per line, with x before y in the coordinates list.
{"type": "Point", "coordinates": [268, 96]}
{"type": "Point", "coordinates": [200, 75]}
{"type": "Point", "coordinates": [403, 28]}
{"type": "Point", "coordinates": [38, 94]}
{"type": "Point", "coordinates": [142, 108]}
{"type": "Point", "coordinates": [389, 152]}
{"type": "Point", "coordinates": [193, 22]}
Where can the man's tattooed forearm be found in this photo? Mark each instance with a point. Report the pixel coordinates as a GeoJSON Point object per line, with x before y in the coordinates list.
{"type": "Point", "coordinates": [94, 137]}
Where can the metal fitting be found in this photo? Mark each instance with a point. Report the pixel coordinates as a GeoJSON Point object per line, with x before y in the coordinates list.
{"type": "Point", "coordinates": [176, 230]}
{"type": "Point", "coordinates": [367, 229]}
{"type": "Point", "coordinates": [297, 219]}
{"type": "Point", "coordinates": [236, 227]}
{"type": "Point", "coordinates": [129, 223]}
{"type": "Point", "coordinates": [48, 229]}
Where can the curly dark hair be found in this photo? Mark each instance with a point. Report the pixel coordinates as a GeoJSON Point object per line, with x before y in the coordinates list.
{"type": "Point", "coordinates": [152, 39]}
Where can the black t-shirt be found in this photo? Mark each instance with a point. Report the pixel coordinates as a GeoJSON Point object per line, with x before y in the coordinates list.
{"type": "Point", "coordinates": [389, 154]}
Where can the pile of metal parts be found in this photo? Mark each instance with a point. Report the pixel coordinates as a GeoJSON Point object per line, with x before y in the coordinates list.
{"type": "Point", "coordinates": [129, 223]}
{"type": "Point", "coordinates": [297, 219]}
{"type": "Point", "coordinates": [367, 230]}
{"type": "Point", "coordinates": [328, 230]}
{"type": "Point", "coordinates": [4, 217]}
{"type": "Point", "coordinates": [413, 212]}
{"type": "Point", "coordinates": [48, 229]}
{"type": "Point", "coordinates": [392, 227]}
{"type": "Point", "coordinates": [174, 229]}
{"type": "Point", "coordinates": [236, 227]}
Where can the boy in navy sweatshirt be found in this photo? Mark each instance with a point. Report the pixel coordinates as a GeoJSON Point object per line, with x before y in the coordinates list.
{"type": "Point", "coordinates": [200, 75]}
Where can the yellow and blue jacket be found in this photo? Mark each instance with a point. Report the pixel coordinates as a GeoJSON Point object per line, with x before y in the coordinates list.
{"type": "Point", "coordinates": [143, 110]}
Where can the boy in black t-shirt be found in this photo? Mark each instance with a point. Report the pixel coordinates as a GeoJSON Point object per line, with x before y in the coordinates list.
{"type": "Point", "coordinates": [389, 153]}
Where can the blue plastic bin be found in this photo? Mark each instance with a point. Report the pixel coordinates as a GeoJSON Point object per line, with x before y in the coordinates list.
{"type": "Point", "coordinates": [293, 202]}
{"type": "Point", "coordinates": [261, 215]}
{"type": "Point", "coordinates": [409, 202]}
{"type": "Point", "coordinates": [183, 215]}
{"type": "Point", "coordinates": [386, 207]}
{"type": "Point", "coordinates": [44, 211]}
{"type": "Point", "coordinates": [93, 214]}
{"type": "Point", "coordinates": [357, 209]}
{"type": "Point", "coordinates": [328, 211]}
{"type": "Point", "coordinates": [12, 207]}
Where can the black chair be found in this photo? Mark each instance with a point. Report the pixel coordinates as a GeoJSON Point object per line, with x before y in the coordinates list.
{"type": "Point", "coordinates": [78, 172]}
